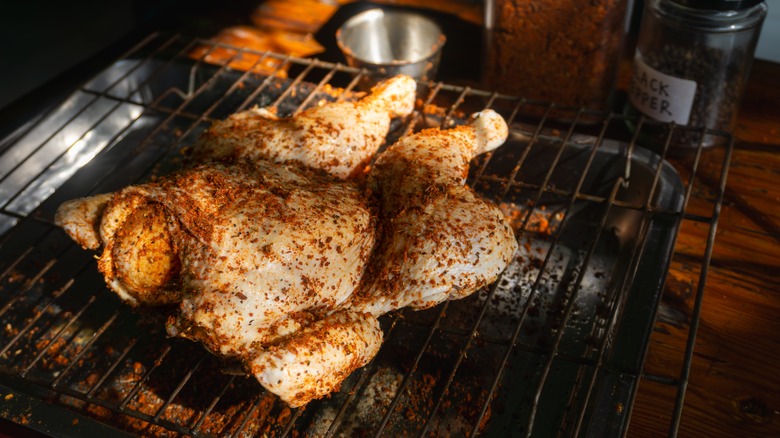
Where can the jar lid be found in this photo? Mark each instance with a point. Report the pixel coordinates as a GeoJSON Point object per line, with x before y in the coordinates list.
{"type": "Point", "coordinates": [719, 5]}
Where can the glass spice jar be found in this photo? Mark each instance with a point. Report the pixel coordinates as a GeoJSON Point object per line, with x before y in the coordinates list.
{"type": "Point", "coordinates": [562, 51]}
{"type": "Point", "coordinates": [691, 64]}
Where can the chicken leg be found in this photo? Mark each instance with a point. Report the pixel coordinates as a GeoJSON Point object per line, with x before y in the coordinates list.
{"type": "Point", "coordinates": [339, 138]}
{"type": "Point", "coordinates": [439, 240]}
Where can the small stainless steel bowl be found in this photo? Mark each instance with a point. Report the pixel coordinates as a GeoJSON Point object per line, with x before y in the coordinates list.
{"type": "Point", "coordinates": [387, 43]}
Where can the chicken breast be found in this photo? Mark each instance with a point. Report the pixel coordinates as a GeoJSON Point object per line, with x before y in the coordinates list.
{"type": "Point", "coordinates": [339, 138]}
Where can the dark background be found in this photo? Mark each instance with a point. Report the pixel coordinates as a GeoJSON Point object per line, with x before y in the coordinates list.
{"type": "Point", "coordinates": [44, 39]}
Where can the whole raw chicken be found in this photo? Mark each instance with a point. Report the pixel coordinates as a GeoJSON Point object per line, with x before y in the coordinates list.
{"type": "Point", "coordinates": [285, 267]}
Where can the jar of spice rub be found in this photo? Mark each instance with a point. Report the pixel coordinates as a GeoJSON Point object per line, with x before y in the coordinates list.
{"type": "Point", "coordinates": [562, 51]}
{"type": "Point", "coordinates": [692, 61]}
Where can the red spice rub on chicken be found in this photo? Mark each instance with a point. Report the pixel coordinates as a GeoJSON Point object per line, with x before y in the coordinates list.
{"type": "Point", "coordinates": [286, 268]}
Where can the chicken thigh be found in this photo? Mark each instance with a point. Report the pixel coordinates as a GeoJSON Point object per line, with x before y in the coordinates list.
{"type": "Point", "coordinates": [339, 138]}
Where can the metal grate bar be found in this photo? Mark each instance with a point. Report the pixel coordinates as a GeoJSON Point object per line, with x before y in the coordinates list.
{"type": "Point", "coordinates": [663, 380]}
{"type": "Point", "coordinates": [15, 263]}
{"type": "Point", "coordinates": [462, 355]}
{"type": "Point", "coordinates": [179, 387]}
{"type": "Point", "coordinates": [57, 336]}
{"type": "Point", "coordinates": [83, 351]}
{"type": "Point", "coordinates": [189, 94]}
{"type": "Point", "coordinates": [698, 301]}
{"type": "Point", "coordinates": [293, 418]}
{"type": "Point", "coordinates": [27, 286]}
{"type": "Point", "coordinates": [408, 376]}
{"type": "Point", "coordinates": [37, 316]}
{"type": "Point", "coordinates": [114, 365]}
{"type": "Point", "coordinates": [568, 311]}
{"type": "Point", "coordinates": [245, 420]}
{"type": "Point", "coordinates": [447, 119]}
{"type": "Point", "coordinates": [267, 81]}
{"type": "Point", "coordinates": [155, 74]}
{"type": "Point", "coordinates": [364, 372]}
{"type": "Point", "coordinates": [194, 428]}
{"type": "Point", "coordinates": [137, 387]}
{"type": "Point", "coordinates": [417, 115]}
{"type": "Point", "coordinates": [513, 174]}
{"type": "Point", "coordinates": [319, 86]}
{"type": "Point", "coordinates": [297, 81]}
{"type": "Point", "coordinates": [352, 84]}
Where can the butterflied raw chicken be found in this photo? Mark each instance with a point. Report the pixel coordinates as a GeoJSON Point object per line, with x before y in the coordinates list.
{"type": "Point", "coordinates": [339, 138]}
{"type": "Point", "coordinates": [280, 267]}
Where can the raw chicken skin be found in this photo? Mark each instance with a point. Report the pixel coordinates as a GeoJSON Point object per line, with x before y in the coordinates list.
{"type": "Point", "coordinates": [282, 253]}
{"type": "Point", "coordinates": [339, 138]}
{"type": "Point", "coordinates": [80, 217]}
{"type": "Point", "coordinates": [313, 363]}
{"type": "Point", "coordinates": [256, 252]}
{"type": "Point", "coordinates": [286, 268]}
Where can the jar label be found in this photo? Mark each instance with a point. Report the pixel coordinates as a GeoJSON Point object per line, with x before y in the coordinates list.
{"type": "Point", "coordinates": [660, 96]}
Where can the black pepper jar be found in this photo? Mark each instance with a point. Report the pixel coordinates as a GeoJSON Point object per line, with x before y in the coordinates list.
{"type": "Point", "coordinates": [692, 61]}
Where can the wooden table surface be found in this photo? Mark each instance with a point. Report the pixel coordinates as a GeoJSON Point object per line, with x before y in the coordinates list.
{"type": "Point", "coordinates": [734, 386]}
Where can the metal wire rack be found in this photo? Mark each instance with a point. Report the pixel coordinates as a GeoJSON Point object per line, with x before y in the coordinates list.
{"type": "Point", "coordinates": [555, 347]}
